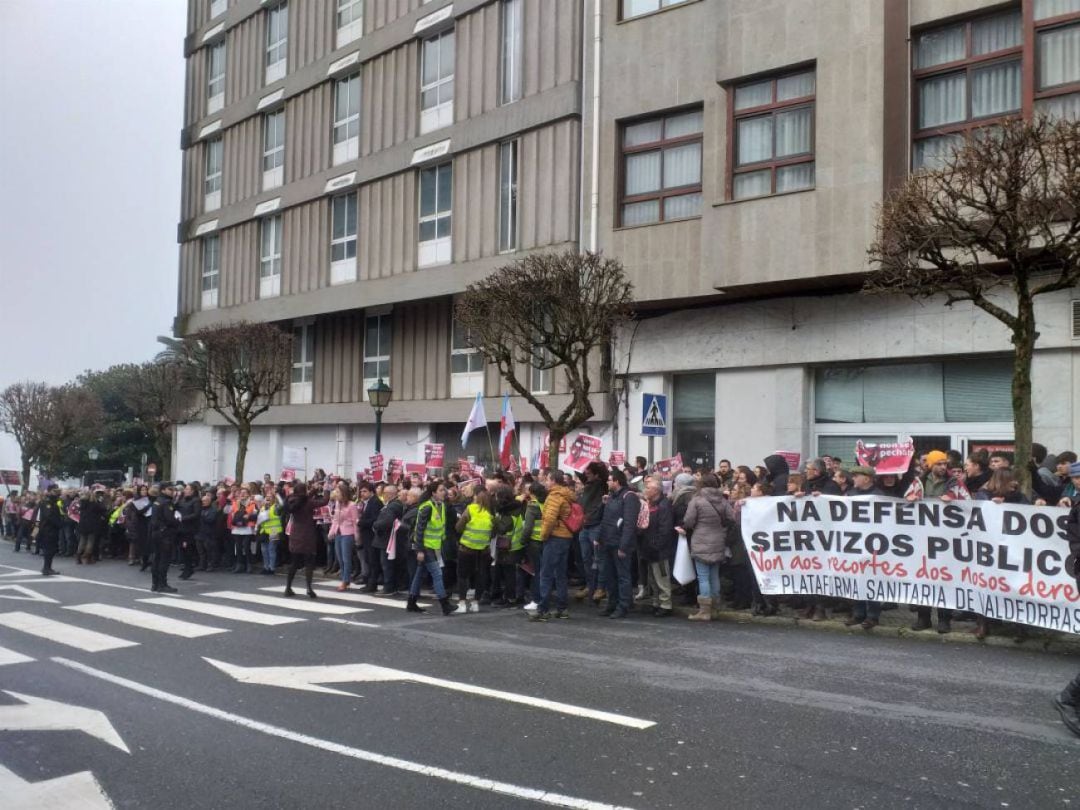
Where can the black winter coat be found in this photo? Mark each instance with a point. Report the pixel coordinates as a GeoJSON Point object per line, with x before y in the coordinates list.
{"type": "Point", "coordinates": [384, 522]}
{"type": "Point", "coordinates": [658, 539]}
{"type": "Point", "coordinates": [618, 526]}
{"type": "Point", "coordinates": [778, 474]}
{"type": "Point", "coordinates": [163, 522]}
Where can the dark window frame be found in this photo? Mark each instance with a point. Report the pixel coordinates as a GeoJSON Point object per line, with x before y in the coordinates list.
{"type": "Point", "coordinates": [771, 109]}
{"type": "Point", "coordinates": [663, 144]}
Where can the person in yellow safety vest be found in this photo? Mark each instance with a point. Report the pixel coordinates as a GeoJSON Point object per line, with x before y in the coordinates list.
{"type": "Point", "coordinates": [270, 529]}
{"type": "Point", "coordinates": [474, 558]}
{"type": "Point", "coordinates": [427, 540]}
{"type": "Point", "coordinates": [532, 534]}
{"type": "Point", "coordinates": [509, 545]}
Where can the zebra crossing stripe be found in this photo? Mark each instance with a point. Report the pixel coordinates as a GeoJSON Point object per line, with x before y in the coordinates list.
{"type": "Point", "coordinates": [299, 603]}
{"type": "Point", "coordinates": [69, 635]}
{"type": "Point", "coordinates": [11, 657]}
{"type": "Point", "coordinates": [147, 620]}
{"type": "Point", "coordinates": [222, 611]}
{"type": "Point", "coordinates": [361, 598]}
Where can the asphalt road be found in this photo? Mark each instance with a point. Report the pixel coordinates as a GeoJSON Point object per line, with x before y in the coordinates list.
{"type": "Point", "coordinates": [718, 715]}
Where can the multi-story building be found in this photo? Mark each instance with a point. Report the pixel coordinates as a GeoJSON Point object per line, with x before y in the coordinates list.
{"type": "Point", "coordinates": [351, 166]}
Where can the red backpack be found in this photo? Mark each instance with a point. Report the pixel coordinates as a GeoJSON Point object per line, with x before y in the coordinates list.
{"type": "Point", "coordinates": [576, 519]}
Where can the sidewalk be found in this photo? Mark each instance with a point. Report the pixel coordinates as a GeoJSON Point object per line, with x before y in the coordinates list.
{"type": "Point", "coordinates": [897, 624]}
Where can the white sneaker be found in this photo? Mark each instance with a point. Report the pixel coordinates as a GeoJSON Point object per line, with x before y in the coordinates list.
{"type": "Point", "coordinates": [531, 606]}
{"type": "Point", "coordinates": [474, 607]}
{"type": "Point", "coordinates": [463, 607]}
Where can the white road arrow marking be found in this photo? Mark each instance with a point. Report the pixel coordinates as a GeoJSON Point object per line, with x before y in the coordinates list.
{"type": "Point", "coordinates": [27, 594]}
{"type": "Point", "coordinates": [308, 679]}
{"type": "Point", "coordinates": [39, 714]}
{"type": "Point", "coordinates": [79, 790]}
{"type": "Point", "coordinates": [483, 783]}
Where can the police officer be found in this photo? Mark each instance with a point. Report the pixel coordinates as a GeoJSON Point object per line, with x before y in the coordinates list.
{"type": "Point", "coordinates": [50, 519]}
{"type": "Point", "coordinates": [164, 524]}
{"type": "Point", "coordinates": [1068, 701]}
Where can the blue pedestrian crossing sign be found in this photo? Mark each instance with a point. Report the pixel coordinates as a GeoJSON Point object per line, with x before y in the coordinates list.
{"type": "Point", "coordinates": [653, 415]}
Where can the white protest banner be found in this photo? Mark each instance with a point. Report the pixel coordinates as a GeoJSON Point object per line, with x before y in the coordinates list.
{"type": "Point", "coordinates": [1004, 561]}
{"type": "Point", "coordinates": [293, 458]}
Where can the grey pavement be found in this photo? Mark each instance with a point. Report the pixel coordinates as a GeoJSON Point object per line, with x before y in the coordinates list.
{"type": "Point", "coordinates": [746, 714]}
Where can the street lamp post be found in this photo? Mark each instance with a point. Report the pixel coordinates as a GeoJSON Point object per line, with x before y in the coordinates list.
{"type": "Point", "coordinates": [379, 396]}
{"type": "Point", "coordinates": [93, 453]}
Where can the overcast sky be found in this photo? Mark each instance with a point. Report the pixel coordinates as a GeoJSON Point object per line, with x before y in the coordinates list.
{"type": "Point", "coordinates": [91, 94]}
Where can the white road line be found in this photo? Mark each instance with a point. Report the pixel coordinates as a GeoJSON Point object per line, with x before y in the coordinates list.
{"type": "Point", "coordinates": [11, 657]}
{"type": "Point", "coordinates": [362, 598]}
{"type": "Point", "coordinates": [68, 634]}
{"type": "Point", "coordinates": [147, 621]}
{"type": "Point", "coordinates": [301, 603]}
{"type": "Point", "coordinates": [36, 578]}
{"type": "Point", "coordinates": [222, 611]}
{"type": "Point", "coordinates": [478, 782]}
{"type": "Point", "coordinates": [347, 621]}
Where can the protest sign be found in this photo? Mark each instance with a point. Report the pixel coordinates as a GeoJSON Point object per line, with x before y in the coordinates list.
{"type": "Point", "coordinates": [617, 458]}
{"type": "Point", "coordinates": [584, 450]}
{"type": "Point", "coordinates": [792, 458]}
{"type": "Point", "coordinates": [10, 478]}
{"type": "Point", "coordinates": [668, 467]}
{"type": "Point", "coordinates": [378, 474]}
{"type": "Point", "coordinates": [887, 458]}
{"type": "Point", "coordinates": [418, 469]}
{"type": "Point", "coordinates": [287, 474]}
{"type": "Point", "coordinates": [375, 460]}
{"type": "Point", "coordinates": [396, 468]}
{"type": "Point", "coordinates": [434, 455]}
{"type": "Point", "coordinates": [1003, 561]}
{"type": "Point", "coordinates": [465, 467]}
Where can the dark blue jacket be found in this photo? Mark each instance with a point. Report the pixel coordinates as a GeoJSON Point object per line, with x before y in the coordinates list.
{"type": "Point", "coordinates": [618, 526]}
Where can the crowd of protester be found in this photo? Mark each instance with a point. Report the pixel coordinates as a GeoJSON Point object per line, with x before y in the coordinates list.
{"type": "Point", "coordinates": [537, 541]}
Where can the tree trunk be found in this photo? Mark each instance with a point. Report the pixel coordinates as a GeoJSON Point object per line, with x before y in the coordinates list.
{"type": "Point", "coordinates": [555, 438]}
{"type": "Point", "coordinates": [25, 474]}
{"type": "Point", "coordinates": [163, 447]}
{"type": "Point", "coordinates": [243, 433]}
{"type": "Point", "coordinates": [1024, 337]}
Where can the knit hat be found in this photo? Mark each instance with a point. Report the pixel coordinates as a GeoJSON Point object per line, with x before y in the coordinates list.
{"type": "Point", "coordinates": [936, 457]}
{"type": "Point", "coordinates": [862, 471]}
{"type": "Point", "coordinates": [1074, 469]}
{"type": "Point", "coordinates": [684, 480]}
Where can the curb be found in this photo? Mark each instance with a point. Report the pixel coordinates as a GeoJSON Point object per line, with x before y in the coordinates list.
{"type": "Point", "coordinates": [1058, 644]}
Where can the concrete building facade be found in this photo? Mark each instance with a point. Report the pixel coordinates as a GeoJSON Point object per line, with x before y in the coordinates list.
{"type": "Point", "coordinates": [731, 154]}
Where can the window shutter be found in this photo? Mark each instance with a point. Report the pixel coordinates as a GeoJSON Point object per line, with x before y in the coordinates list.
{"type": "Point", "coordinates": [1075, 319]}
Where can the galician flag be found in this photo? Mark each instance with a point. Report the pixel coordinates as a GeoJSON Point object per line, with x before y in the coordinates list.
{"type": "Point", "coordinates": [506, 432]}
{"type": "Point", "coordinates": [476, 421]}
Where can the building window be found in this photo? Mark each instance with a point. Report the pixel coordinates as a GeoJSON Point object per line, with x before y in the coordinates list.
{"type": "Point", "coordinates": [693, 421]}
{"type": "Point", "coordinates": [539, 372]}
{"type": "Point", "coordinates": [661, 159]}
{"type": "Point", "coordinates": [211, 271]}
{"type": "Point", "coordinates": [377, 337]}
{"type": "Point", "coordinates": [437, 82]}
{"type": "Point", "coordinates": [212, 183]}
{"type": "Point", "coordinates": [508, 196]}
{"type": "Point", "coordinates": [303, 365]}
{"type": "Point", "coordinates": [218, 7]}
{"type": "Point", "coordinates": [215, 78]}
{"type": "Point", "coordinates": [510, 87]}
{"type": "Point", "coordinates": [343, 239]}
{"type": "Point", "coordinates": [277, 38]}
{"type": "Point", "coordinates": [346, 119]}
{"type": "Point", "coordinates": [773, 122]}
{"type": "Point", "coordinates": [466, 365]}
{"type": "Point", "coordinates": [350, 21]}
{"type": "Point", "coordinates": [270, 257]}
{"type": "Point", "coordinates": [967, 75]}
{"type": "Point", "coordinates": [635, 8]}
{"type": "Point", "coordinates": [1057, 60]}
{"type": "Point", "coordinates": [436, 207]}
{"type": "Point", "coordinates": [273, 149]}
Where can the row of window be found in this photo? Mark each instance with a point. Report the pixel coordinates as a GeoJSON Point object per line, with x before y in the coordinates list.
{"type": "Point", "coordinates": [967, 75]}
{"type": "Point", "coordinates": [434, 229]}
{"type": "Point", "coordinates": [437, 61]}
{"type": "Point", "coordinates": [466, 362]}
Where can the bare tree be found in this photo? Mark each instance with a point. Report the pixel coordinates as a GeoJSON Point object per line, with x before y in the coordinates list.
{"type": "Point", "coordinates": [73, 421]}
{"type": "Point", "coordinates": [996, 224]}
{"type": "Point", "coordinates": [23, 411]}
{"type": "Point", "coordinates": [161, 394]}
{"type": "Point", "coordinates": [549, 311]}
{"type": "Point", "coordinates": [238, 369]}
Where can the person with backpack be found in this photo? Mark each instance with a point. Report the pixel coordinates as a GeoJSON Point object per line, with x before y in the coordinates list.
{"type": "Point", "coordinates": [561, 517]}
{"type": "Point", "coordinates": [618, 530]}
